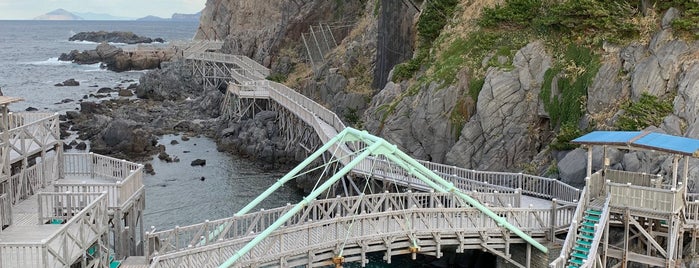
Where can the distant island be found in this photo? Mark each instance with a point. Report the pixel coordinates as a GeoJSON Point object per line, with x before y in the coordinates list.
{"type": "Point", "coordinates": [175, 17]}
{"type": "Point", "coordinates": [59, 14]}
{"type": "Point", "coordinates": [62, 14]}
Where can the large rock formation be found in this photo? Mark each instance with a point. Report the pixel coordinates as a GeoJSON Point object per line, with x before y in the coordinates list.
{"type": "Point", "coordinates": [118, 60]}
{"type": "Point", "coordinates": [503, 134]}
{"type": "Point", "coordinates": [113, 37]}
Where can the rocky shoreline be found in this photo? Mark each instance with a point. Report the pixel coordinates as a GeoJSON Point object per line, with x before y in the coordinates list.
{"type": "Point", "coordinates": [171, 101]}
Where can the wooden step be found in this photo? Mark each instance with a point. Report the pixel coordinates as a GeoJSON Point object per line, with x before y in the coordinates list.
{"type": "Point", "coordinates": [593, 212]}
{"type": "Point", "coordinates": [579, 255]}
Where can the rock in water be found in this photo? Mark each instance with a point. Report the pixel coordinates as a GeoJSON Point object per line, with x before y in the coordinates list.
{"type": "Point", "coordinates": [112, 37]}
{"type": "Point", "coordinates": [199, 162]}
{"type": "Point", "coordinates": [68, 83]}
{"type": "Point", "coordinates": [125, 93]}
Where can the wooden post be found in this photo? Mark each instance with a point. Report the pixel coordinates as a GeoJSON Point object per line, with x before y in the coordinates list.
{"type": "Point", "coordinates": [624, 254]}
{"type": "Point", "coordinates": [554, 207]}
{"type": "Point", "coordinates": [675, 165]}
{"type": "Point", "coordinates": [685, 175]}
{"type": "Point", "coordinates": [589, 161]}
{"type": "Point", "coordinates": [529, 255]}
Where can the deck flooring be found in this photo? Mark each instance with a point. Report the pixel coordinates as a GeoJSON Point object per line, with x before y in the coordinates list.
{"type": "Point", "coordinates": [25, 226]}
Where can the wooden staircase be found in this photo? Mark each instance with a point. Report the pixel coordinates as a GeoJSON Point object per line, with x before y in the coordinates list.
{"type": "Point", "coordinates": [586, 233]}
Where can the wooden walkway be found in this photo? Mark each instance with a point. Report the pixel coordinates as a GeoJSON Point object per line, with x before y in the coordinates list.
{"type": "Point", "coordinates": [185, 247]}
{"type": "Point", "coordinates": [608, 194]}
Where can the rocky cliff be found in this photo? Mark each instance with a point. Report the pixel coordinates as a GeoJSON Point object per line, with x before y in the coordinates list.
{"type": "Point", "coordinates": [259, 29]}
{"type": "Point", "coordinates": [484, 91]}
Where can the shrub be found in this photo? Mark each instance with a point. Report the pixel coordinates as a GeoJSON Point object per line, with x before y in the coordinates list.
{"type": "Point", "coordinates": [575, 73]}
{"type": "Point", "coordinates": [516, 13]}
{"type": "Point", "coordinates": [277, 77]}
{"type": "Point", "coordinates": [648, 111]}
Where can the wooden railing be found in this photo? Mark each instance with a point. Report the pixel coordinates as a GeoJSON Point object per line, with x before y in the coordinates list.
{"type": "Point", "coordinates": [5, 211]}
{"type": "Point", "coordinates": [635, 178]}
{"type": "Point", "coordinates": [241, 61]}
{"type": "Point", "coordinates": [123, 178]}
{"type": "Point", "coordinates": [63, 247]}
{"type": "Point", "coordinates": [61, 207]}
{"type": "Point", "coordinates": [645, 198]}
{"type": "Point", "coordinates": [197, 235]}
{"type": "Point", "coordinates": [389, 225]}
{"type": "Point", "coordinates": [21, 119]}
{"type": "Point", "coordinates": [30, 180]}
{"type": "Point", "coordinates": [32, 132]}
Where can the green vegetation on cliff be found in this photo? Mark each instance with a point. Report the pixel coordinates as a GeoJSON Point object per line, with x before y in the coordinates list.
{"type": "Point", "coordinates": [648, 111]}
{"type": "Point", "coordinates": [432, 20]}
{"type": "Point", "coordinates": [573, 31]}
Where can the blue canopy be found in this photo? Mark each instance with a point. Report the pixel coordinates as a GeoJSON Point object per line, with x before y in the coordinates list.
{"type": "Point", "coordinates": [643, 140]}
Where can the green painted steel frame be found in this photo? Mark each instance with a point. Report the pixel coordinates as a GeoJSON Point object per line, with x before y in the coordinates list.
{"type": "Point", "coordinates": [376, 146]}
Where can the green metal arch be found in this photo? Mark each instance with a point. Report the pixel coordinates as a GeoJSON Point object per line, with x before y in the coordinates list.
{"type": "Point", "coordinates": [375, 146]}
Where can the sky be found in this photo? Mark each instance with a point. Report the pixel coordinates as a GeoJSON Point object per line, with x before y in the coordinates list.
{"type": "Point", "coordinates": [28, 9]}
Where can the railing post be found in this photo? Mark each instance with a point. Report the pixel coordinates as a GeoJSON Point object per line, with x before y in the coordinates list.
{"type": "Point", "coordinates": [41, 209]}
{"type": "Point", "coordinates": [520, 181]}
{"type": "Point", "coordinates": [554, 209]}
{"type": "Point", "coordinates": [91, 164]}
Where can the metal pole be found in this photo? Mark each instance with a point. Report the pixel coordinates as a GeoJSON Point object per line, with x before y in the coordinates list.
{"type": "Point", "coordinates": [322, 57]}
{"type": "Point", "coordinates": [310, 56]}
{"type": "Point", "coordinates": [325, 38]}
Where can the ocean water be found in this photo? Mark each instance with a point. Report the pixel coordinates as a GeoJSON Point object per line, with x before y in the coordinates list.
{"type": "Point", "coordinates": [29, 65]}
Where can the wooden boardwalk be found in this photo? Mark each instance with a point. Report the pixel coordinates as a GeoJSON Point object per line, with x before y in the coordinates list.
{"type": "Point", "coordinates": [183, 247]}
{"type": "Point", "coordinates": [606, 195]}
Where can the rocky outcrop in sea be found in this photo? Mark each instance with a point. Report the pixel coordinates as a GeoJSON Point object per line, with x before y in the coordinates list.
{"type": "Point", "coordinates": [114, 37]}
{"type": "Point", "coordinates": [118, 60]}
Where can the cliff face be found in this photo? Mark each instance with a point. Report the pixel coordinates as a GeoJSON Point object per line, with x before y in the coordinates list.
{"type": "Point", "coordinates": [258, 29]}
{"type": "Point", "coordinates": [490, 114]}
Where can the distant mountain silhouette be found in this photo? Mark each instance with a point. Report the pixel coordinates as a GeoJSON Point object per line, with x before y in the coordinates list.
{"type": "Point", "coordinates": [100, 16]}
{"type": "Point", "coordinates": [175, 17]}
{"type": "Point", "coordinates": [151, 18]}
{"type": "Point", "coordinates": [59, 14]}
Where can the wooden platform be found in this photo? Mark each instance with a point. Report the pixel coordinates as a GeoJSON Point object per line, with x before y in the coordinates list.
{"type": "Point", "coordinates": [134, 262]}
